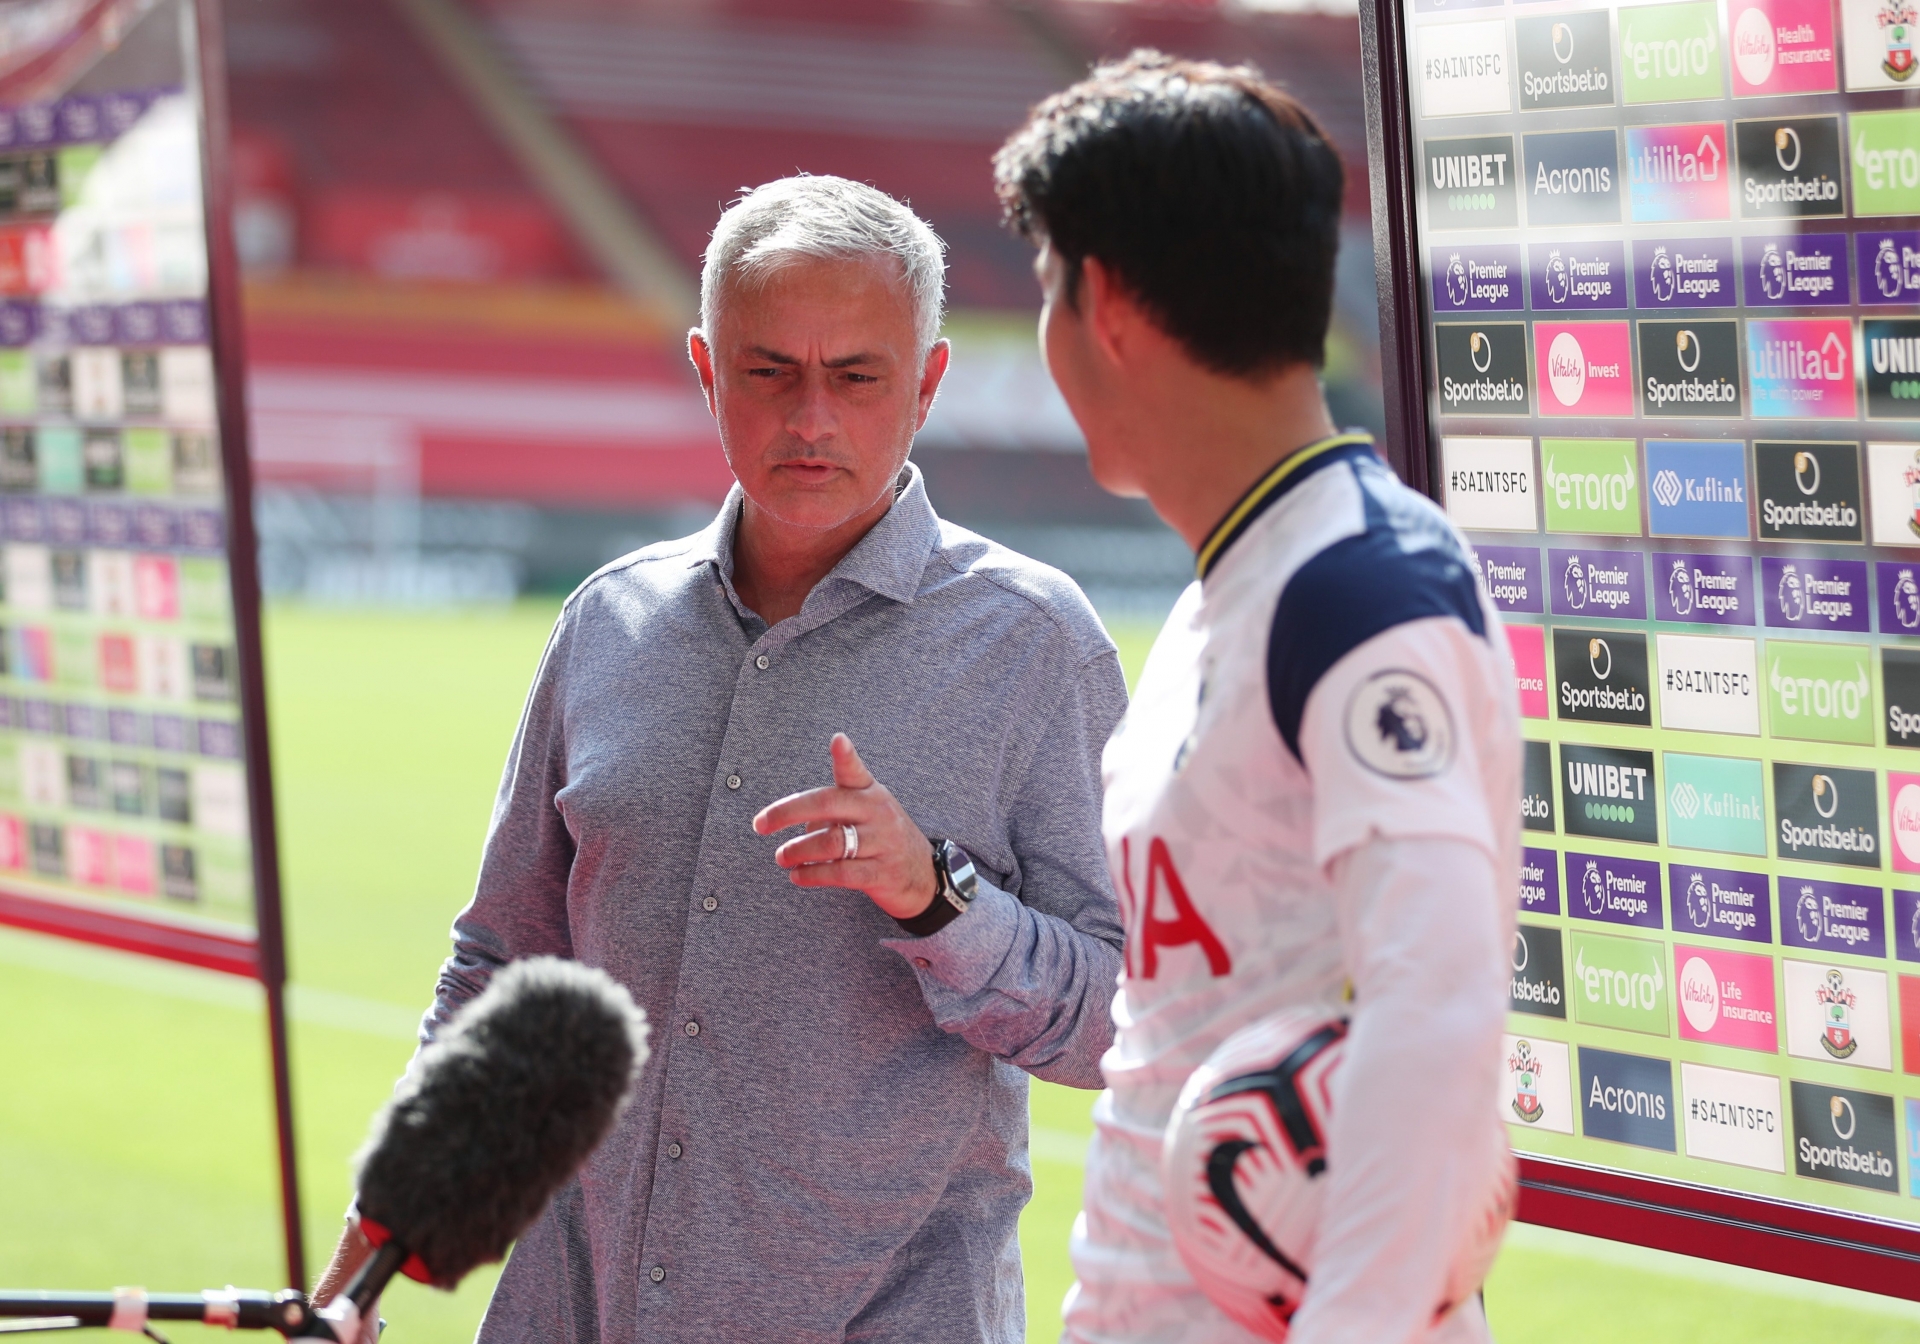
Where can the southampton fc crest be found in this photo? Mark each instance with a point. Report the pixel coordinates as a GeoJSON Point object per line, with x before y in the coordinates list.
{"type": "Point", "coordinates": [1523, 1066]}
{"type": "Point", "coordinates": [1836, 1013]}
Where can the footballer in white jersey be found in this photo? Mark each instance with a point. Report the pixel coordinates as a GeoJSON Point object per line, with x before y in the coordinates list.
{"type": "Point", "coordinates": [1337, 676]}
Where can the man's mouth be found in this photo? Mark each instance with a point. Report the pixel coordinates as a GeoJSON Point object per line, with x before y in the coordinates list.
{"type": "Point", "coordinates": [811, 470]}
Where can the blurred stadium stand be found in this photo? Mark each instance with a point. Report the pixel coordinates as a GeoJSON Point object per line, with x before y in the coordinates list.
{"type": "Point", "coordinates": [472, 232]}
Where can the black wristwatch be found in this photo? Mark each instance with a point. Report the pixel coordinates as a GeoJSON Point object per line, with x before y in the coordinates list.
{"type": "Point", "coordinates": [954, 884]}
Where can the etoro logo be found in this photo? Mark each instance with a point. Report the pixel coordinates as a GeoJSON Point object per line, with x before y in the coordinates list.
{"type": "Point", "coordinates": [1670, 53]}
{"type": "Point", "coordinates": [1591, 486]}
{"type": "Point", "coordinates": [1618, 982]}
{"type": "Point", "coordinates": [1821, 693]}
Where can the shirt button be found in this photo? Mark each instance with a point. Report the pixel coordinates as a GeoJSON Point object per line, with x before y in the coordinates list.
{"type": "Point", "coordinates": [733, 781]}
{"type": "Point", "coordinates": [693, 1028]}
{"type": "Point", "coordinates": [711, 903]}
{"type": "Point", "coordinates": [922, 963]}
{"type": "Point", "coordinates": [762, 662]}
{"type": "Point", "coordinates": [673, 1150]}
{"type": "Point", "coordinates": [657, 1273]}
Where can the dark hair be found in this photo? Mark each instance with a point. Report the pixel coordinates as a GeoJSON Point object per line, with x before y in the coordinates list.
{"type": "Point", "coordinates": [1212, 196]}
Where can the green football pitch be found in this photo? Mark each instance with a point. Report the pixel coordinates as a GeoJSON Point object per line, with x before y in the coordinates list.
{"type": "Point", "coordinates": [135, 1129]}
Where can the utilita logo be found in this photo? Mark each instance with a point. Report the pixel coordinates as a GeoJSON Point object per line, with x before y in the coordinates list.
{"type": "Point", "coordinates": [1802, 369]}
{"type": "Point", "coordinates": [1677, 172]}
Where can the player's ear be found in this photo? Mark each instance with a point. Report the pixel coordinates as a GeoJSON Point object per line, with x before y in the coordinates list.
{"type": "Point", "coordinates": [1107, 310]}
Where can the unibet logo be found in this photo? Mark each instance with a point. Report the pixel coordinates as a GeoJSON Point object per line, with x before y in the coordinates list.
{"type": "Point", "coordinates": [1820, 692]}
{"type": "Point", "coordinates": [1618, 982]}
{"type": "Point", "coordinates": [1591, 486]}
{"type": "Point", "coordinates": [1670, 53]}
{"type": "Point", "coordinates": [1609, 792]}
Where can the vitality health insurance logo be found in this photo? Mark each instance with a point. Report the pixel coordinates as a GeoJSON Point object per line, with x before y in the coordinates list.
{"type": "Point", "coordinates": [1538, 1073]}
{"type": "Point", "coordinates": [1844, 1136]}
{"type": "Point", "coordinates": [1889, 263]}
{"type": "Point", "coordinates": [1471, 183]}
{"type": "Point", "coordinates": [1806, 270]}
{"type": "Point", "coordinates": [1802, 369]}
{"type": "Point", "coordinates": [1477, 279]}
{"type": "Point", "coordinates": [1734, 1117]}
{"type": "Point", "coordinates": [1565, 61]}
{"type": "Point", "coordinates": [1808, 491]}
{"type": "Point", "coordinates": [1703, 589]}
{"type": "Point", "coordinates": [1538, 984]}
{"type": "Point", "coordinates": [1900, 678]}
{"type": "Point", "coordinates": [1708, 685]}
{"type": "Point", "coordinates": [1823, 814]}
{"type": "Point", "coordinates": [1697, 488]}
{"type": "Point", "coordinates": [1815, 594]}
{"type": "Point", "coordinates": [1598, 583]}
{"type": "Point", "coordinates": [1626, 1099]}
{"type": "Point", "coordinates": [1576, 277]}
{"type": "Point", "coordinates": [1573, 177]}
{"type": "Point", "coordinates": [1619, 983]}
{"type": "Point", "coordinates": [1678, 172]}
{"type": "Point", "coordinates": [1591, 486]}
{"type": "Point", "coordinates": [1585, 368]}
{"type": "Point", "coordinates": [1601, 676]}
{"type": "Point", "coordinates": [1613, 891]}
{"type": "Point", "coordinates": [1893, 368]}
{"type": "Point", "coordinates": [1670, 53]}
{"type": "Point", "coordinates": [1886, 162]}
{"type": "Point", "coordinates": [1490, 484]}
{"type": "Point", "coordinates": [1782, 46]}
{"type": "Point", "coordinates": [1463, 68]}
{"type": "Point", "coordinates": [1717, 803]}
{"type": "Point", "coordinates": [1483, 367]}
{"type": "Point", "coordinates": [1726, 998]}
{"type": "Point", "coordinates": [1879, 46]}
{"type": "Point", "coordinates": [1820, 692]}
{"type": "Point", "coordinates": [1609, 793]}
{"type": "Point", "coordinates": [1721, 903]}
{"type": "Point", "coordinates": [1789, 168]}
{"type": "Point", "coordinates": [1690, 370]}
{"type": "Point", "coordinates": [1684, 273]}
{"type": "Point", "coordinates": [1837, 1014]}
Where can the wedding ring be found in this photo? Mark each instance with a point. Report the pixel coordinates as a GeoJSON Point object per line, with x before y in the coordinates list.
{"type": "Point", "coordinates": [850, 842]}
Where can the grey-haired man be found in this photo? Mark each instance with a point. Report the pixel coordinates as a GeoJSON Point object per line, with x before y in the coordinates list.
{"type": "Point", "coordinates": [830, 1143]}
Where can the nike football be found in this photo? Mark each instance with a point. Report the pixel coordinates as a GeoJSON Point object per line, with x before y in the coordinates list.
{"type": "Point", "coordinates": [1244, 1163]}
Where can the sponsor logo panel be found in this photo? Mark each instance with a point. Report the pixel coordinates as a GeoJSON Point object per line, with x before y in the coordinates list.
{"type": "Point", "coordinates": [1789, 167]}
{"type": "Point", "coordinates": [1900, 683]}
{"type": "Point", "coordinates": [1683, 273]}
{"type": "Point", "coordinates": [1614, 891]}
{"type": "Point", "coordinates": [1483, 367]}
{"type": "Point", "coordinates": [1690, 369]}
{"type": "Point", "coordinates": [1490, 484]}
{"type": "Point", "coordinates": [1609, 793]}
{"type": "Point", "coordinates": [1888, 262]}
{"type": "Point", "coordinates": [1782, 46]}
{"type": "Point", "coordinates": [1536, 786]}
{"type": "Point", "coordinates": [1879, 43]}
{"type": "Point", "coordinates": [1574, 277]}
{"type": "Point", "coordinates": [1670, 53]}
{"type": "Point", "coordinates": [1619, 983]}
{"type": "Point", "coordinates": [1601, 676]}
{"type": "Point", "coordinates": [1583, 368]}
{"type": "Point", "coordinates": [1831, 917]}
{"type": "Point", "coordinates": [1539, 882]}
{"type": "Point", "coordinates": [1708, 685]}
{"type": "Point", "coordinates": [1626, 1099]}
{"type": "Point", "coordinates": [1536, 1088]}
{"type": "Point", "coordinates": [1703, 589]}
{"type": "Point", "coordinates": [1721, 903]}
{"type": "Point", "coordinates": [1820, 692]}
{"type": "Point", "coordinates": [1795, 270]}
{"type": "Point", "coordinates": [1808, 491]}
{"type": "Point", "coordinates": [1677, 172]}
{"type": "Point", "coordinates": [1512, 576]}
{"type": "Point", "coordinates": [1719, 803]}
{"type": "Point", "coordinates": [1903, 822]}
{"type": "Point", "coordinates": [1697, 488]}
{"type": "Point", "coordinates": [1477, 279]}
{"type": "Point", "coordinates": [1565, 61]}
{"type": "Point", "coordinates": [1844, 1136]}
{"type": "Point", "coordinates": [1837, 1014]}
{"type": "Point", "coordinates": [1823, 814]}
{"type": "Point", "coordinates": [1471, 183]}
{"type": "Point", "coordinates": [1591, 486]}
{"type": "Point", "coordinates": [1528, 645]}
{"type": "Point", "coordinates": [1910, 1026]}
{"type": "Point", "coordinates": [1538, 985]}
{"type": "Point", "coordinates": [1899, 598]}
{"type": "Point", "coordinates": [1893, 368]}
{"type": "Point", "coordinates": [1726, 998]}
{"type": "Point", "coordinates": [1590, 582]}
{"type": "Point", "coordinates": [1906, 946]}
{"type": "Point", "coordinates": [1894, 471]}
{"type": "Point", "coordinates": [1573, 177]}
{"type": "Point", "coordinates": [1734, 1117]}
{"type": "Point", "coordinates": [1807, 594]}
{"type": "Point", "coordinates": [1886, 162]}
{"type": "Point", "coordinates": [1463, 68]}
{"type": "Point", "coordinates": [1801, 368]}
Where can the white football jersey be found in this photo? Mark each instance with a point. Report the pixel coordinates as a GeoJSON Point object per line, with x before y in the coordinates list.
{"type": "Point", "coordinates": [1336, 673]}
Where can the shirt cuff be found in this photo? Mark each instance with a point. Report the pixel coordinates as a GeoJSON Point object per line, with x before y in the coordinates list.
{"type": "Point", "coordinates": [966, 954]}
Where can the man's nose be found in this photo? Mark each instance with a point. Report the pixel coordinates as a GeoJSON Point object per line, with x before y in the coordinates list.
{"type": "Point", "coordinates": [814, 418]}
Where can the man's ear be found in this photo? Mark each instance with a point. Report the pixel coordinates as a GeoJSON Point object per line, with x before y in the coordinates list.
{"type": "Point", "coordinates": [930, 375]}
{"type": "Point", "coordinates": [1109, 312]}
{"type": "Point", "coordinates": [702, 356]}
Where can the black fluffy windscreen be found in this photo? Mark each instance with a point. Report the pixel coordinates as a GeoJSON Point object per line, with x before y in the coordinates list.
{"type": "Point", "coordinates": [500, 1111]}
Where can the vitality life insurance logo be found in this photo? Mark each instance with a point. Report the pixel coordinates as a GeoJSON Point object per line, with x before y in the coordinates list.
{"type": "Point", "coordinates": [1789, 168]}
{"type": "Point", "coordinates": [1565, 61]}
{"type": "Point", "coordinates": [1472, 183]}
{"type": "Point", "coordinates": [1690, 369]}
{"type": "Point", "coordinates": [1802, 369]}
{"type": "Point", "coordinates": [1483, 367]}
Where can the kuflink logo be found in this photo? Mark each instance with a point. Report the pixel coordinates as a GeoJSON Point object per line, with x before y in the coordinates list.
{"type": "Point", "coordinates": [1698, 489]}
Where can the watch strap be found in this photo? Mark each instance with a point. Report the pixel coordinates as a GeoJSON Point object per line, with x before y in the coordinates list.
{"type": "Point", "coordinates": [948, 905]}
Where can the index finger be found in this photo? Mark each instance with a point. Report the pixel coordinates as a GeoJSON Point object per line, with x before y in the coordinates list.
{"type": "Point", "coordinates": [798, 809]}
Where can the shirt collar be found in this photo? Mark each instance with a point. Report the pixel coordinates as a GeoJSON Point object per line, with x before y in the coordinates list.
{"type": "Point", "coordinates": [891, 559]}
{"type": "Point", "coordinates": [1290, 471]}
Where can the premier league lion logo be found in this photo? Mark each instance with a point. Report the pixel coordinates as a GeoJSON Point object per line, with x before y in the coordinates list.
{"type": "Point", "coordinates": [1680, 588]}
{"type": "Point", "coordinates": [1576, 583]}
{"type": "Point", "coordinates": [1906, 600]}
{"type": "Point", "coordinates": [1793, 594]}
{"type": "Point", "coordinates": [1806, 916]}
{"type": "Point", "coordinates": [1400, 723]}
{"type": "Point", "coordinates": [1773, 273]}
{"type": "Point", "coordinates": [1456, 282]}
{"type": "Point", "coordinates": [1593, 890]}
{"type": "Point", "coordinates": [1699, 903]}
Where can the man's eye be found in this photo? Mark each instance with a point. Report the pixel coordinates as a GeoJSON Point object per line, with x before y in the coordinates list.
{"type": "Point", "coordinates": [769, 371]}
{"type": "Point", "coordinates": [861, 378]}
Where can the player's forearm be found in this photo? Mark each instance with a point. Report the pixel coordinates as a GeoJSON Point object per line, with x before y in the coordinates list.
{"type": "Point", "coordinates": [349, 1255]}
{"type": "Point", "coordinates": [1412, 1157]}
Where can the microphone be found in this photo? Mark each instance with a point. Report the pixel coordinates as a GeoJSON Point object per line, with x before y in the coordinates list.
{"type": "Point", "coordinates": [493, 1118]}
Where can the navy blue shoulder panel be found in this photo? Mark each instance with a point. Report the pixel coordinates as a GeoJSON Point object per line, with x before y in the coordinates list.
{"type": "Point", "coordinates": [1405, 566]}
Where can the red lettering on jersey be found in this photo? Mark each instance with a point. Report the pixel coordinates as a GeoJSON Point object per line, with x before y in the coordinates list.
{"type": "Point", "coordinates": [1147, 932]}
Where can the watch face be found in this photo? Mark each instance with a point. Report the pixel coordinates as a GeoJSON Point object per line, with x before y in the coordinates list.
{"type": "Point", "coordinates": [960, 871]}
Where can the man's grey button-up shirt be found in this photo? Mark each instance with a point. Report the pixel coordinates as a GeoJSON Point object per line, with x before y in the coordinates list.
{"type": "Point", "coordinates": [857, 1096]}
